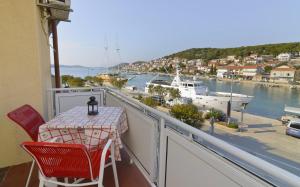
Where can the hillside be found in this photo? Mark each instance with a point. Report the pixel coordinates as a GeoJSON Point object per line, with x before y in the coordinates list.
{"type": "Point", "coordinates": [139, 62]}
{"type": "Point", "coordinates": [121, 65]}
{"type": "Point", "coordinates": [214, 53]}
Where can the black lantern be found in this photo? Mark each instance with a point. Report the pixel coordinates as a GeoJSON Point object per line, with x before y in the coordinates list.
{"type": "Point", "coordinates": [92, 106]}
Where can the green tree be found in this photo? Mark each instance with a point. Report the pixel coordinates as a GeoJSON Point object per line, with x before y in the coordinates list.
{"type": "Point", "coordinates": [268, 69]}
{"type": "Point", "coordinates": [151, 89]}
{"type": "Point", "coordinates": [72, 81]}
{"type": "Point", "coordinates": [188, 113]}
{"type": "Point", "coordinates": [217, 114]}
{"type": "Point", "coordinates": [159, 90]}
{"type": "Point", "coordinates": [140, 97]}
{"type": "Point", "coordinates": [211, 71]}
{"type": "Point", "coordinates": [65, 78]}
{"type": "Point", "coordinates": [118, 83]}
{"type": "Point", "coordinates": [149, 101]}
{"type": "Point", "coordinates": [88, 78]}
{"type": "Point", "coordinates": [174, 93]}
{"type": "Point", "coordinates": [181, 65]}
{"type": "Point", "coordinates": [76, 82]}
{"type": "Point", "coordinates": [98, 81]}
{"type": "Point", "coordinates": [94, 80]}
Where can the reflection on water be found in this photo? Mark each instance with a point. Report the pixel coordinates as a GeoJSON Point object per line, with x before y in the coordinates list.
{"type": "Point", "coordinates": [268, 102]}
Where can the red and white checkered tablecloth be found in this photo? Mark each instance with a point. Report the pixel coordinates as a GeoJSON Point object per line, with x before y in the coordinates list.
{"type": "Point", "coordinates": [75, 126]}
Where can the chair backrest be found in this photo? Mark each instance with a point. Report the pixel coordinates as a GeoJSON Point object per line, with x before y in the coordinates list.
{"type": "Point", "coordinates": [61, 160]}
{"type": "Point", "coordinates": [29, 119]}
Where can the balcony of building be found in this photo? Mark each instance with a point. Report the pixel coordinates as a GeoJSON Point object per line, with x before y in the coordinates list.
{"type": "Point", "coordinates": [165, 152]}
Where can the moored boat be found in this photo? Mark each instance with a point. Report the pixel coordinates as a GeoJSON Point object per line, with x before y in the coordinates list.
{"type": "Point", "coordinates": [200, 94]}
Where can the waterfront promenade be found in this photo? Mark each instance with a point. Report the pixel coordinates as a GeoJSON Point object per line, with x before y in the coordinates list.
{"type": "Point", "coordinates": [263, 83]}
{"type": "Point", "coordinates": [264, 138]}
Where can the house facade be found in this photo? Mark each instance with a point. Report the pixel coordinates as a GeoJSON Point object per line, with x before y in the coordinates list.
{"type": "Point", "coordinates": [284, 57]}
{"type": "Point", "coordinates": [222, 72]}
{"type": "Point", "coordinates": [283, 74]}
{"type": "Point", "coordinates": [247, 72]}
{"type": "Point", "coordinates": [251, 71]}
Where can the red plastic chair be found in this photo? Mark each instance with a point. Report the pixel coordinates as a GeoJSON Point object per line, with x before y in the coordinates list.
{"type": "Point", "coordinates": [30, 120]}
{"type": "Point", "coordinates": [72, 161]}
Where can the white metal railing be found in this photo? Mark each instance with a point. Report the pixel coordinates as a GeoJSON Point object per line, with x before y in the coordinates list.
{"type": "Point", "coordinates": [260, 168]}
{"type": "Point", "coordinates": [167, 128]}
{"type": "Point", "coordinates": [63, 99]}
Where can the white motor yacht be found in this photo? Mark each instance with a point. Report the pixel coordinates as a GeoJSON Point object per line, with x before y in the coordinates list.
{"type": "Point", "coordinates": [200, 94]}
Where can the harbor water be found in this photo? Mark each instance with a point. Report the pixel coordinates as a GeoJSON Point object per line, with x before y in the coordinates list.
{"type": "Point", "coordinates": [268, 101]}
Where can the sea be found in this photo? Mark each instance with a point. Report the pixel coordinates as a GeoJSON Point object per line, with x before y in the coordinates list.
{"type": "Point", "coordinates": [268, 101]}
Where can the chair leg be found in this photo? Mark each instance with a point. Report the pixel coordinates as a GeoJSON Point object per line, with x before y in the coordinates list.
{"type": "Point", "coordinates": [30, 173]}
{"type": "Point", "coordinates": [115, 174]}
{"type": "Point", "coordinates": [42, 182]}
{"type": "Point", "coordinates": [115, 171]}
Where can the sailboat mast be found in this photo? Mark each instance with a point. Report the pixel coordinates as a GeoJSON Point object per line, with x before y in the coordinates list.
{"type": "Point", "coordinates": [106, 52]}
{"type": "Point", "coordinates": [118, 53]}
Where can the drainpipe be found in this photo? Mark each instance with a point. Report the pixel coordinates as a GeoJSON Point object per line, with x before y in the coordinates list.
{"type": "Point", "coordinates": [55, 54]}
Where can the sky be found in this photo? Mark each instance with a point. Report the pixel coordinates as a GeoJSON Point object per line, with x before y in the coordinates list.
{"type": "Point", "coordinates": [150, 29]}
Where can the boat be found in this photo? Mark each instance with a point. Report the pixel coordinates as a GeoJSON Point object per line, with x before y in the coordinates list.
{"type": "Point", "coordinates": [200, 94]}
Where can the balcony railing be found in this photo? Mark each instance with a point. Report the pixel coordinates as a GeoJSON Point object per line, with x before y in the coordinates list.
{"type": "Point", "coordinates": [171, 153]}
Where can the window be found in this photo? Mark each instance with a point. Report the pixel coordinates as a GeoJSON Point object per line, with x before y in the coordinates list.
{"type": "Point", "coordinates": [295, 126]}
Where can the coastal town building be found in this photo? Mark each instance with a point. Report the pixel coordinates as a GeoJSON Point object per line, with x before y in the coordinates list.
{"type": "Point", "coordinates": [231, 58]}
{"type": "Point", "coordinates": [252, 61]}
{"type": "Point", "coordinates": [213, 63]}
{"type": "Point", "coordinates": [227, 71]}
{"type": "Point", "coordinates": [283, 74]}
{"type": "Point", "coordinates": [271, 63]}
{"type": "Point", "coordinates": [254, 56]}
{"type": "Point", "coordinates": [204, 69]}
{"type": "Point", "coordinates": [251, 71]}
{"type": "Point", "coordinates": [266, 57]}
{"type": "Point", "coordinates": [265, 77]}
{"type": "Point", "coordinates": [284, 57]}
{"type": "Point", "coordinates": [222, 72]}
{"type": "Point", "coordinates": [246, 72]}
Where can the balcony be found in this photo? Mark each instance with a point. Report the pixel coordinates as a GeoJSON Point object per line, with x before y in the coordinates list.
{"type": "Point", "coordinates": [165, 152]}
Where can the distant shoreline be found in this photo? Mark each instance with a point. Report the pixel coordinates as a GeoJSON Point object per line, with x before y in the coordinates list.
{"type": "Point", "coordinates": [267, 84]}
{"type": "Point", "coordinates": [76, 66]}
